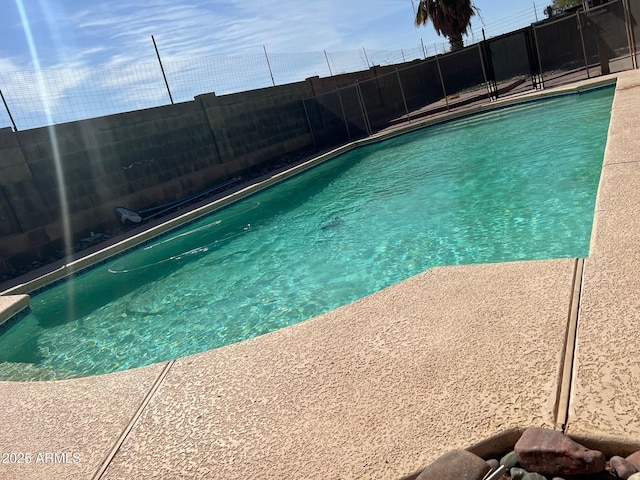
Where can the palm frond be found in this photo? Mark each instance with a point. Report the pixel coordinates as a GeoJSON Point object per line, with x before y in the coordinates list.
{"type": "Point", "coordinates": [450, 18]}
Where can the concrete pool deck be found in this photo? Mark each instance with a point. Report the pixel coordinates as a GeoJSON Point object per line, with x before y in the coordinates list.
{"type": "Point", "coordinates": [381, 387]}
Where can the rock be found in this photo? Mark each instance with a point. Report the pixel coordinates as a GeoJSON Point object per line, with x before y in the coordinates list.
{"type": "Point", "coordinates": [509, 461]}
{"type": "Point", "coordinates": [635, 476]}
{"type": "Point", "coordinates": [456, 465]}
{"type": "Point", "coordinates": [517, 473]}
{"type": "Point", "coordinates": [624, 469]}
{"type": "Point", "coordinates": [634, 459]}
{"type": "Point", "coordinates": [552, 453]}
{"type": "Point", "coordinates": [493, 464]}
{"type": "Point", "coordinates": [534, 476]}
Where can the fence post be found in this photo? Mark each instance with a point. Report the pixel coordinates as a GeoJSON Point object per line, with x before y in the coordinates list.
{"type": "Point", "coordinates": [15, 129]}
{"type": "Point", "coordinates": [162, 69]}
{"type": "Point", "coordinates": [584, 50]}
{"type": "Point", "coordinates": [365, 116]}
{"type": "Point", "coordinates": [484, 74]}
{"type": "Point", "coordinates": [313, 137]}
{"type": "Point", "coordinates": [344, 115]}
{"type": "Point", "coordinates": [424, 50]}
{"type": "Point", "coordinates": [404, 99]}
{"type": "Point", "coordinates": [444, 90]}
{"type": "Point", "coordinates": [535, 40]}
{"type": "Point", "coordinates": [630, 36]}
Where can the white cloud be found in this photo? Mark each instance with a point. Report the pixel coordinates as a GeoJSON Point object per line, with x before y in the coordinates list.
{"type": "Point", "coordinates": [226, 28]}
{"type": "Point", "coordinates": [9, 65]}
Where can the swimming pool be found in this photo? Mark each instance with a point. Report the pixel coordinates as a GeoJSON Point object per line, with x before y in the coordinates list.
{"type": "Point", "coordinates": [481, 189]}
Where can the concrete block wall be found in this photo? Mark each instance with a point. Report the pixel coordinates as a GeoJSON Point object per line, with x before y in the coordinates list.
{"type": "Point", "coordinates": [136, 159]}
{"type": "Point", "coordinates": [251, 128]}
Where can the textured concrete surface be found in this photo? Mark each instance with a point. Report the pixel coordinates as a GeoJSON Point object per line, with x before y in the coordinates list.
{"type": "Point", "coordinates": [375, 389]}
{"type": "Point", "coordinates": [78, 420]}
{"type": "Point", "coordinates": [604, 403]}
{"type": "Point", "coordinates": [12, 304]}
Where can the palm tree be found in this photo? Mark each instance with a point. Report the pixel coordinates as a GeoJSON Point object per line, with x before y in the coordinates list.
{"type": "Point", "coordinates": [450, 18]}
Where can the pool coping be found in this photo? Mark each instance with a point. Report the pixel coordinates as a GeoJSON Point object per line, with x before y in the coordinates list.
{"type": "Point", "coordinates": [367, 363]}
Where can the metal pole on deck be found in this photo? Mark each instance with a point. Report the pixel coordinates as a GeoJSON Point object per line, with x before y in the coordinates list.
{"type": "Point", "coordinates": [584, 50]}
{"type": "Point", "coordinates": [344, 115]}
{"type": "Point", "coordinates": [306, 112]}
{"type": "Point", "coordinates": [630, 36]}
{"type": "Point", "coordinates": [162, 69]}
{"type": "Point", "coordinates": [404, 100]}
{"type": "Point", "coordinates": [444, 90]}
{"type": "Point", "coordinates": [365, 115]}
{"type": "Point", "coordinates": [484, 73]}
{"type": "Point", "coordinates": [535, 39]}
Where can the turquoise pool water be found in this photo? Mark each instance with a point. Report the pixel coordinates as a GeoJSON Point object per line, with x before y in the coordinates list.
{"type": "Point", "coordinates": [515, 184]}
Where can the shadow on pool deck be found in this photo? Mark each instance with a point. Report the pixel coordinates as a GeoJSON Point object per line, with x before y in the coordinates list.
{"type": "Point", "coordinates": [383, 386]}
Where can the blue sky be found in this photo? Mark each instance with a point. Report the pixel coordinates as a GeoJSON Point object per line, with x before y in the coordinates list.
{"type": "Point", "coordinates": [74, 36]}
{"type": "Point", "coordinates": [77, 32]}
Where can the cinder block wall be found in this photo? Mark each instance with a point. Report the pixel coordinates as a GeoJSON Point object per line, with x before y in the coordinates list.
{"type": "Point", "coordinates": [254, 127]}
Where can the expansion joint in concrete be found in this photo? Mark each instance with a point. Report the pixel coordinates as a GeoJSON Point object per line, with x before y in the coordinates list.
{"type": "Point", "coordinates": [561, 410]}
{"type": "Point", "coordinates": [134, 420]}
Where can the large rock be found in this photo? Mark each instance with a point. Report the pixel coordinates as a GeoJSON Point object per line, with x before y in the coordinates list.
{"type": "Point", "coordinates": [624, 469]}
{"type": "Point", "coordinates": [456, 465]}
{"type": "Point", "coordinates": [552, 453]}
{"type": "Point", "coordinates": [634, 459]}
